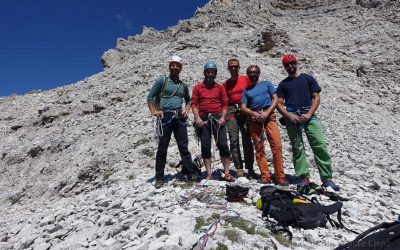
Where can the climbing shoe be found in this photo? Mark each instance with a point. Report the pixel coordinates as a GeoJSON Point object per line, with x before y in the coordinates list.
{"type": "Point", "coordinates": [159, 184]}
{"type": "Point", "coordinates": [281, 181]}
{"type": "Point", "coordinates": [265, 181]}
{"type": "Point", "coordinates": [331, 184]}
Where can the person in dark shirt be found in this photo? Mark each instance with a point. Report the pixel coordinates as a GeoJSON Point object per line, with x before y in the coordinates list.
{"type": "Point", "coordinates": [171, 92]}
{"type": "Point", "coordinates": [210, 105]}
{"type": "Point", "coordinates": [300, 94]}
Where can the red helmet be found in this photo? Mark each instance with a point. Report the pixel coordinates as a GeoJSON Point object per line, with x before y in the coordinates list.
{"type": "Point", "coordinates": [289, 58]}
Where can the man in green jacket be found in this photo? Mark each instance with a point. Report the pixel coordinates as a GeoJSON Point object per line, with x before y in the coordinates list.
{"type": "Point", "coordinates": [171, 92]}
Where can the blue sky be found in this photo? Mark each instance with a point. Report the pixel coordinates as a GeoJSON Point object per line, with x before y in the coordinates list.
{"type": "Point", "coordinates": [49, 43]}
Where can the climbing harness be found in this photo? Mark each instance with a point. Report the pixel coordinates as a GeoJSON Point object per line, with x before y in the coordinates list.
{"type": "Point", "coordinates": [176, 114]}
{"type": "Point", "coordinates": [298, 111]}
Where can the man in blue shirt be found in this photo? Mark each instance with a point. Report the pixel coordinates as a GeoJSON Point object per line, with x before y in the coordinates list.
{"type": "Point", "coordinates": [259, 102]}
{"type": "Point", "coordinates": [299, 93]}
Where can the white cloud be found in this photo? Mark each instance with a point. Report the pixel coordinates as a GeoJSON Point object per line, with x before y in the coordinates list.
{"type": "Point", "coordinates": [119, 17]}
{"type": "Point", "coordinates": [124, 21]}
{"type": "Point", "coordinates": [128, 24]}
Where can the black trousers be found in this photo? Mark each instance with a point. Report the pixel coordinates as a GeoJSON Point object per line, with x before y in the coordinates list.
{"type": "Point", "coordinates": [236, 125]}
{"type": "Point", "coordinates": [178, 128]}
{"type": "Point", "coordinates": [219, 133]}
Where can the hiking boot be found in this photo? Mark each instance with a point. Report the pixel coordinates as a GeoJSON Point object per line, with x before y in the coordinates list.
{"type": "Point", "coordinates": [265, 181]}
{"type": "Point", "coordinates": [239, 172]}
{"type": "Point", "coordinates": [159, 184]}
{"type": "Point", "coordinates": [281, 181]}
{"type": "Point", "coordinates": [252, 175]}
{"type": "Point", "coordinates": [331, 184]}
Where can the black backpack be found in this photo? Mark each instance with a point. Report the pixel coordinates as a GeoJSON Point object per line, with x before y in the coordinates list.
{"type": "Point", "coordinates": [388, 238]}
{"type": "Point", "coordinates": [196, 163]}
{"type": "Point", "coordinates": [289, 208]}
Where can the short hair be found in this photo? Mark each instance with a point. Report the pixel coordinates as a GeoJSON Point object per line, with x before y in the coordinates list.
{"type": "Point", "coordinates": [253, 66]}
{"type": "Point", "coordinates": [233, 60]}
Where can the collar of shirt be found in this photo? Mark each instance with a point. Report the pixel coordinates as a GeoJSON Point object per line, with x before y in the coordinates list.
{"type": "Point", "coordinates": [203, 85]}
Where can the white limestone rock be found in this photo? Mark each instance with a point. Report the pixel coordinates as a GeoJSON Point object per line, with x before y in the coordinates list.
{"type": "Point", "coordinates": [81, 157]}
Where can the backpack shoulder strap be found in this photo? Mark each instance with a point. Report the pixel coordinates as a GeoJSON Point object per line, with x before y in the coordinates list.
{"type": "Point", "coordinates": [164, 86]}
{"type": "Point", "coordinates": [336, 208]}
{"type": "Point", "coordinates": [383, 225]}
{"type": "Point", "coordinates": [333, 208]}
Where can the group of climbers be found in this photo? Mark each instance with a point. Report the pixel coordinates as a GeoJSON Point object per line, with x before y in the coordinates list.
{"type": "Point", "coordinates": [244, 105]}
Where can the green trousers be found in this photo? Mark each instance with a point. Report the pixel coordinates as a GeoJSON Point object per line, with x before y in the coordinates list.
{"type": "Point", "coordinates": [315, 137]}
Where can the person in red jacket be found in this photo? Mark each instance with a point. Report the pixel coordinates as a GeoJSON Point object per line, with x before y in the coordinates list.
{"type": "Point", "coordinates": [236, 120]}
{"type": "Point", "coordinates": [210, 105]}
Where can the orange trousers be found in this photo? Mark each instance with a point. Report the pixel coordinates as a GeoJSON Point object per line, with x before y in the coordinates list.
{"type": "Point", "coordinates": [271, 130]}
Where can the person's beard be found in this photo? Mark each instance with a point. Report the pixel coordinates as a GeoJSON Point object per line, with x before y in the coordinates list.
{"type": "Point", "coordinates": [292, 70]}
{"type": "Point", "coordinates": [175, 73]}
{"type": "Point", "coordinates": [254, 79]}
{"type": "Point", "coordinates": [209, 81]}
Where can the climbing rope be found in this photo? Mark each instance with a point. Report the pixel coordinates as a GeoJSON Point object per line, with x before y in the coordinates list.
{"type": "Point", "coordinates": [209, 233]}
{"type": "Point", "coordinates": [262, 137]}
{"type": "Point", "coordinates": [159, 132]}
{"type": "Point", "coordinates": [212, 120]}
{"type": "Point", "coordinates": [159, 129]}
{"type": "Point", "coordinates": [199, 192]}
{"type": "Point", "coordinates": [299, 128]}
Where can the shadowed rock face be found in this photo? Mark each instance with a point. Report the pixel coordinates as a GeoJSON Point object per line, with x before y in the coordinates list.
{"type": "Point", "coordinates": [71, 157]}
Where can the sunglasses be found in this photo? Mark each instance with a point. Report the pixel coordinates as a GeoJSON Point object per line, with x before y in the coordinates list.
{"type": "Point", "coordinates": [233, 66]}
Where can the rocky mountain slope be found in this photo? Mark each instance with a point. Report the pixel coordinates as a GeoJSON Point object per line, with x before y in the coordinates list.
{"type": "Point", "coordinates": [76, 162]}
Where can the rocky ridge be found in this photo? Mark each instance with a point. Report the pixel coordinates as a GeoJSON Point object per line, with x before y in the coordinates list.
{"type": "Point", "coordinates": [77, 162]}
